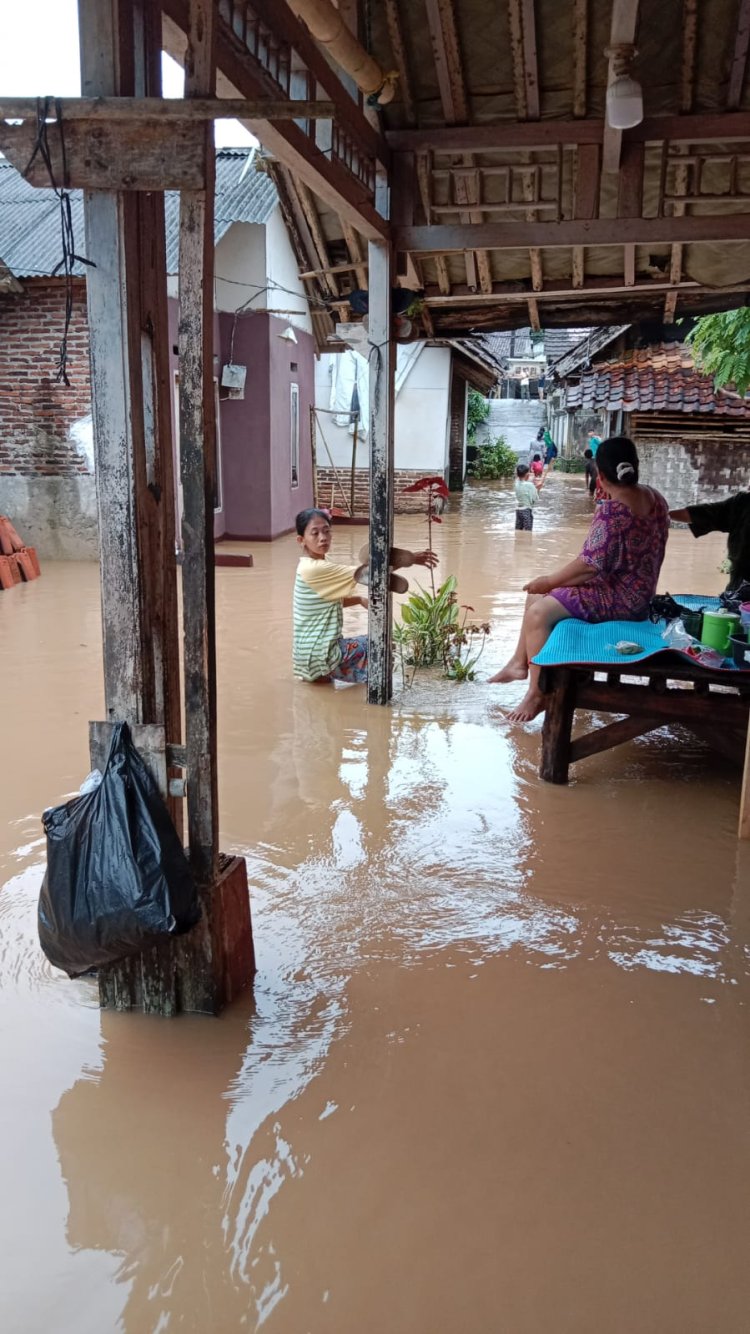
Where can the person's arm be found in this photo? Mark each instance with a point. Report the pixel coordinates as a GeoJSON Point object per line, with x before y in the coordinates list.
{"type": "Point", "coordinates": [680, 516]}
{"type": "Point", "coordinates": [575, 572]}
{"type": "Point", "coordinates": [716, 516]}
{"type": "Point", "coordinates": [401, 559]}
{"type": "Point", "coordinates": [355, 602]}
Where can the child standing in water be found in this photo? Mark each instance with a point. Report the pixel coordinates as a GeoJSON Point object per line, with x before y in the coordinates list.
{"type": "Point", "coordinates": [537, 467]}
{"type": "Point", "coordinates": [526, 495]}
{"type": "Point", "coordinates": [321, 591]}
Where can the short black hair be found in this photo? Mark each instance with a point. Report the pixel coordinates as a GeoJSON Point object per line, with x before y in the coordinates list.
{"type": "Point", "coordinates": [305, 516]}
{"type": "Point", "coordinates": [588, 453]}
{"type": "Point", "coordinates": [617, 460]}
{"type": "Point", "coordinates": [537, 458]}
{"type": "Point", "coordinates": [522, 470]}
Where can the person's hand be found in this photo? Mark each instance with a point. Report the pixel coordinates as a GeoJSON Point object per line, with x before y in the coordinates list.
{"type": "Point", "coordinates": [539, 585]}
{"type": "Point", "coordinates": [364, 602]}
{"type": "Point", "coordinates": [427, 558]}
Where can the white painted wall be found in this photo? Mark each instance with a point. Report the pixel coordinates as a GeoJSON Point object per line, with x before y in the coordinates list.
{"type": "Point", "coordinates": [250, 257]}
{"type": "Point", "coordinates": [421, 425]}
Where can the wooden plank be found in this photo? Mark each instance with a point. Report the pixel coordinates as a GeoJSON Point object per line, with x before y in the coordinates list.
{"type": "Point", "coordinates": [744, 821]}
{"type": "Point", "coordinates": [578, 269]}
{"type": "Point", "coordinates": [739, 57]}
{"type": "Point", "coordinates": [395, 33]}
{"type": "Point", "coordinates": [534, 315]}
{"type": "Point", "coordinates": [696, 129]}
{"type": "Point", "coordinates": [441, 20]}
{"type": "Point", "coordinates": [674, 705]}
{"type": "Point", "coordinates": [198, 464]}
{"type": "Point", "coordinates": [630, 181]}
{"type": "Point", "coordinates": [441, 268]}
{"type": "Point", "coordinates": [587, 181]}
{"type": "Point", "coordinates": [461, 295]}
{"type": "Point", "coordinates": [515, 27]}
{"type": "Point", "coordinates": [382, 393]}
{"type": "Point", "coordinates": [613, 734]}
{"type": "Point", "coordinates": [597, 231]}
{"type": "Point", "coordinates": [580, 56]}
{"type": "Point", "coordinates": [689, 36]}
{"type": "Point", "coordinates": [354, 246]}
{"type": "Point", "coordinates": [530, 67]}
{"type": "Point", "coordinates": [97, 155]}
{"type": "Point", "coordinates": [309, 208]}
{"type": "Point", "coordinates": [131, 109]}
{"type": "Point", "coordinates": [149, 741]}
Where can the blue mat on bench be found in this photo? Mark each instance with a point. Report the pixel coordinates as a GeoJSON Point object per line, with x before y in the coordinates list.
{"type": "Point", "coordinates": [574, 641]}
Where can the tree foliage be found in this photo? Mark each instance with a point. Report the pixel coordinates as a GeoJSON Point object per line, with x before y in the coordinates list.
{"type": "Point", "coordinates": [495, 461]}
{"type": "Point", "coordinates": [478, 411]}
{"type": "Point", "coordinates": [721, 344]}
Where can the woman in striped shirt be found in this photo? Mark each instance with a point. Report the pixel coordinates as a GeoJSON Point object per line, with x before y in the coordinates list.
{"type": "Point", "coordinates": [321, 591]}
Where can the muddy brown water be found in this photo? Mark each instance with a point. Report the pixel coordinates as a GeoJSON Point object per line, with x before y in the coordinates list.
{"type": "Point", "coordinates": [493, 1075]}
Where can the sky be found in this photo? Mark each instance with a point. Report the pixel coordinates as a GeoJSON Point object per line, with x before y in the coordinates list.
{"type": "Point", "coordinates": [39, 57]}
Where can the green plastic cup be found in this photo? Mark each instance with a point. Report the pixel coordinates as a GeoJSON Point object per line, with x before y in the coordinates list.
{"type": "Point", "coordinates": [718, 627]}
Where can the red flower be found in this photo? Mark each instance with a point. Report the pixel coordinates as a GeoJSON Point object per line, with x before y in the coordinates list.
{"type": "Point", "coordinates": [435, 519]}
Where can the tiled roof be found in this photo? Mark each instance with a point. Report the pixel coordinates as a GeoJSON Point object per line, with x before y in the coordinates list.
{"type": "Point", "coordinates": [30, 241]}
{"type": "Point", "coordinates": [511, 343]}
{"type": "Point", "coordinates": [659, 378]}
{"type": "Point", "coordinates": [583, 352]}
{"type": "Point", "coordinates": [559, 341]}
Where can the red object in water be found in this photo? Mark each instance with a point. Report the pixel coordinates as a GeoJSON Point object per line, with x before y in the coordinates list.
{"type": "Point", "coordinates": [436, 484]}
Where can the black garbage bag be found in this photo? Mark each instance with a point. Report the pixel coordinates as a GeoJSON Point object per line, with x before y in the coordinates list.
{"type": "Point", "coordinates": [117, 877]}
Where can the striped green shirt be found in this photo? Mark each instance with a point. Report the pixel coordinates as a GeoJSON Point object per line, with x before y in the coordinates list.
{"type": "Point", "coordinates": [319, 590]}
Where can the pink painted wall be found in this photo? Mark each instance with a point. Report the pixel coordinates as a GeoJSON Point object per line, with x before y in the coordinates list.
{"type": "Point", "coordinates": [258, 499]}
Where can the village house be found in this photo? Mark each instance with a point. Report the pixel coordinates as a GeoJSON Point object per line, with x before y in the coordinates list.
{"type": "Point", "coordinates": [262, 329]}
{"type": "Point", "coordinates": [693, 440]}
{"type": "Point", "coordinates": [433, 378]}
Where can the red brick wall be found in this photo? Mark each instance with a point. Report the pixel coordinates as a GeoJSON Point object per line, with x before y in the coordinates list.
{"type": "Point", "coordinates": [35, 413]}
{"type": "Point", "coordinates": [329, 491]}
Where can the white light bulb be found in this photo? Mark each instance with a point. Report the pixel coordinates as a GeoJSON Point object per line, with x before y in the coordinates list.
{"type": "Point", "coordinates": [624, 103]}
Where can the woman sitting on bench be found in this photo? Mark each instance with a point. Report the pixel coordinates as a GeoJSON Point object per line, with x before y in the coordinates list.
{"type": "Point", "coordinates": [613, 579]}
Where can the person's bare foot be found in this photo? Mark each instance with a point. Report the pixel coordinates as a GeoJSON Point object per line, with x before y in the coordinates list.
{"type": "Point", "coordinates": [532, 704]}
{"type": "Point", "coordinates": [512, 671]}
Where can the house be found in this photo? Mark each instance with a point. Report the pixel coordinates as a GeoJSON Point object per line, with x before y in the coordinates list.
{"type": "Point", "coordinates": [693, 440]}
{"type": "Point", "coordinates": [432, 382]}
{"type": "Point", "coordinates": [514, 418]}
{"type": "Point", "coordinates": [262, 326]}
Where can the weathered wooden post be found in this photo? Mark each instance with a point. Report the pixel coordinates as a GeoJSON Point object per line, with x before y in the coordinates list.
{"type": "Point", "coordinates": [382, 361]}
{"type": "Point", "coordinates": [121, 56]}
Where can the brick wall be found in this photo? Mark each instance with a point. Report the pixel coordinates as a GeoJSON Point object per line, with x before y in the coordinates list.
{"type": "Point", "coordinates": [697, 469]}
{"type": "Point", "coordinates": [329, 492]}
{"type": "Point", "coordinates": [36, 415]}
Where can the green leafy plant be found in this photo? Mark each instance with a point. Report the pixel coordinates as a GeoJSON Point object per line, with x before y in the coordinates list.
{"type": "Point", "coordinates": [463, 646]}
{"type": "Point", "coordinates": [721, 344]}
{"type": "Point", "coordinates": [436, 493]}
{"type": "Point", "coordinates": [495, 461]}
{"type": "Point", "coordinates": [478, 411]}
{"type": "Point", "coordinates": [425, 619]}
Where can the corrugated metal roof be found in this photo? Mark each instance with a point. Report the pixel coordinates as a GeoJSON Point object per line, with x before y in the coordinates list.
{"type": "Point", "coordinates": [30, 235]}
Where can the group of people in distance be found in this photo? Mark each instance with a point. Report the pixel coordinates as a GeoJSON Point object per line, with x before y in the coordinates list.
{"type": "Point", "coordinates": [614, 577]}
{"type": "Point", "coordinates": [530, 479]}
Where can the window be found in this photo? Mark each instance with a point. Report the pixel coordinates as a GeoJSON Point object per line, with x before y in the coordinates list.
{"type": "Point", "coordinates": [294, 436]}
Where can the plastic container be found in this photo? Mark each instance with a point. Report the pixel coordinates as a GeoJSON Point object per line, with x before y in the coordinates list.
{"type": "Point", "coordinates": [717, 628]}
{"type": "Point", "coordinates": [740, 650]}
{"type": "Point", "coordinates": [693, 622]}
{"type": "Point", "coordinates": [745, 615]}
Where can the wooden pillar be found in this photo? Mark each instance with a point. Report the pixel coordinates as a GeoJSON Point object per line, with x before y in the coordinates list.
{"type": "Point", "coordinates": [558, 725]}
{"type": "Point", "coordinates": [382, 361]}
{"type": "Point", "coordinates": [198, 461]}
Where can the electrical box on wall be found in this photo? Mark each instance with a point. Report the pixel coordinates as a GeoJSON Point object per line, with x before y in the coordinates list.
{"type": "Point", "coordinates": [233, 379]}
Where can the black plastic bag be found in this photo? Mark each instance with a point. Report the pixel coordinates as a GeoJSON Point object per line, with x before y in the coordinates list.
{"type": "Point", "coordinates": [117, 877]}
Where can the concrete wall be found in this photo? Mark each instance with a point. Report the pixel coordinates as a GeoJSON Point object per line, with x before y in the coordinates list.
{"type": "Point", "coordinates": [257, 263]}
{"type": "Point", "coordinates": [57, 515]}
{"type": "Point", "coordinates": [421, 424]}
{"type": "Point", "coordinates": [697, 469]}
{"type": "Point", "coordinates": [516, 419]}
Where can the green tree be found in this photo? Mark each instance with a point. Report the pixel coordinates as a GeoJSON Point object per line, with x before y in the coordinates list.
{"type": "Point", "coordinates": [721, 344]}
{"type": "Point", "coordinates": [478, 411]}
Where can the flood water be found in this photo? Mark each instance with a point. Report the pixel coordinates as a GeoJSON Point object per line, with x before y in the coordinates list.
{"type": "Point", "coordinates": [493, 1075]}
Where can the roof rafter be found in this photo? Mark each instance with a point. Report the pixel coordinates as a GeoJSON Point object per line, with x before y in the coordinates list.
{"type": "Point", "coordinates": [701, 128]}
{"type": "Point", "coordinates": [622, 33]}
{"type": "Point", "coordinates": [599, 231]}
{"type": "Point", "coordinates": [580, 46]}
{"type": "Point", "coordinates": [396, 34]}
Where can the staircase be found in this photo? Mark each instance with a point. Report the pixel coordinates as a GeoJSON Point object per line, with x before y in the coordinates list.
{"type": "Point", "coordinates": [517, 419]}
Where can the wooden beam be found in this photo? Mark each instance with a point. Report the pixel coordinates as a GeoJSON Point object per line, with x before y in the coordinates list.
{"type": "Point", "coordinates": [675, 263]}
{"type": "Point", "coordinates": [722, 127]}
{"type": "Point", "coordinates": [597, 231]}
{"type": "Point", "coordinates": [129, 109]}
{"type": "Point", "coordinates": [241, 74]}
{"type": "Point", "coordinates": [580, 56]}
{"type": "Point", "coordinates": [395, 33]}
{"type": "Point", "coordinates": [441, 20]}
{"type": "Point", "coordinates": [630, 198]}
{"type": "Point", "coordinates": [739, 57]}
{"type": "Point", "coordinates": [585, 200]}
{"type": "Point", "coordinates": [102, 156]}
{"type": "Point", "coordinates": [530, 67]}
{"type": "Point", "coordinates": [578, 266]}
{"type": "Point", "coordinates": [534, 315]}
{"type": "Point", "coordinates": [354, 246]}
{"type": "Point", "coordinates": [622, 33]}
{"type": "Point", "coordinates": [309, 208]}
{"type": "Point", "coordinates": [441, 268]}
{"type": "Point", "coordinates": [382, 394]}
{"type": "Point", "coordinates": [461, 295]}
{"type": "Point", "coordinates": [515, 26]}
{"type": "Point", "coordinates": [689, 37]}
{"type": "Point", "coordinates": [198, 464]}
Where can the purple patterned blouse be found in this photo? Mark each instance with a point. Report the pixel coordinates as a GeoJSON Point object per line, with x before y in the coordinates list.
{"type": "Point", "coordinates": [627, 552]}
